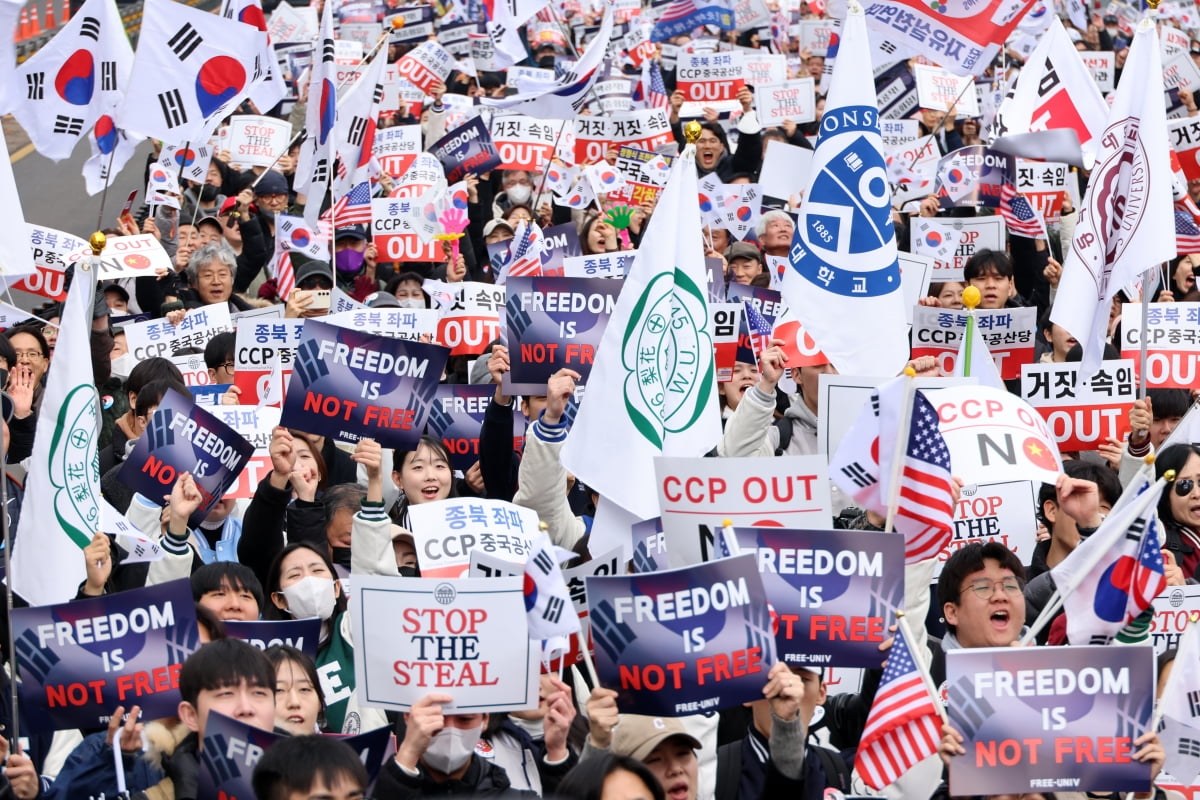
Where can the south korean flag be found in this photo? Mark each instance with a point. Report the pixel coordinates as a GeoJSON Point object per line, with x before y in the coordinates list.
{"type": "Point", "coordinates": [111, 150]}
{"type": "Point", "coordinates": [190, 71]}
{"type": "Point", "coordinates": [267, 93]}
{"type": "Point", "coordinates": [82, 73]}
{"type": "Point", "coordinates": [294, 236]}
{"type": "Point", "coordinates": [187, 163]}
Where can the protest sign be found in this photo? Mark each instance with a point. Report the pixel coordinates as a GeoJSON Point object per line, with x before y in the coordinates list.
{"type": "Point", "coordinates": [230, 751]}
{"type": "Point", "coordinates": [446, 531]}
{"type": "Point", "coordinates": [645, 129]}
{"type": "Point", "coordinates": [709, 80]}
{"type": "Point", "coordinates": [467, 332]}
{"type": "Point", "coordinates": [1172, 342]}
{"type": "Point", "coordinates": [393, 235]}
{"type": "Point", "coordinates": [951, 242]}
{"type": "Point", "coordinates": [259, 349]}
{"type": "Point", "coordinates": [425, 65]}
{"type": "Point", "coordinates": [133, 257]}
{"type": "Point", "coordinates": [697, 494]}
{"type": "Point", "coordinates": [685, 641]}
{"type": "Point", "coordinates": [1044, 184]}
{"type": "Point", "coordinates": [897, 132]}
{"type": "Point", "coordinates": [798, 346]}
{"type": "Point", "coordinates": [290, 24]}
{"type": "Point", "coordinates": [916, 273]}
{"type": "Point", "coordinates": [194, 370]}
{"type": "Point", "coordinates": [940, 89]}
{"type": "Point", "coordinates": [80, 660]}
{"type": "Point", "coordinates": [258, 141]}
{"type": "Point", "coordinates": [468, 148]}
{"type": "Point", "coordinates": [1185, 140]}
{"type": "Point", "coordinates": [793, 100]}
{"type": "Point", "coordinates": [1173, 610]}
{"type": "Point", "coordinates": [183, 437]}
{"type": "Point", "coordinates": [487, 566]}
{"type": "Point", "coordinates": [302, 634]}
{"type": "Point", "coordinates": [1101, 64]}
{"type": "Point", "coordinates": [816, 35]}
{"type": "Point", "coordinates": [994, 436]}
{"type": "Point", "coordinates": [157, 337]}
{"type": "Point", "coordinates": [554, 323]}
{"type": "Point", "coordinates": [842, 396]}
{"type": "Point", "coordinates": [525, 142]}
{"type": "Point", "coordinates": [558, 244]}
{"type": "Point", "coordinates": [599, 265]}
{"type": "Point", "coordinates": [896, 96]}
{"type": "Point", "coordinates": [1180, 71]}
{"type": "Point", "coordinates": [784, 170]}
{"type": "Point", "coordinates": [1082, 414]}
{"type": "Point", "coordinates": [53, 251]}
{"type": "Point", "coordinates": [1008, 332]}
{"type": "Point", "coordinates": [457, 413]}
{"type": "Point", "coordinates": [1060, 718]}
{"type": "Point", "coordinates": [467, 638]}
{"type": "Point", "coordinates": [397, 323]}
{"type": "Point", "coordinates": [972, 176]}
{"type": "Point", "coordinates": [255, 424]}
{"type": "Point", "coordinates": [834, 593]}
{"type": "Point", "coordinates": [726, 328]}
{"type": "Point", "coordinates": [614, 96]}
{"type": "Point", "coordinates": [602, 565]}
{"type": "Point", "coordinates": [994, 512]}
{"type": "Point", "coordinates": [351, 385]}
{"type": "Point", "coordinates": [645, 174]}
{"type": "Point", "coordinates": [396, 148]}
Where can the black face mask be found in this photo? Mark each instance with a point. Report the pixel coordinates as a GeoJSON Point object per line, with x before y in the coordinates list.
{"type": "Point", "coordinates": [546, 62]}
{"type": "Point", "coordinates": [341, 556]}
{"type": "Point", "coordinates": [208, 193]}
{"type": "Point", "coordinates": [409, 572]}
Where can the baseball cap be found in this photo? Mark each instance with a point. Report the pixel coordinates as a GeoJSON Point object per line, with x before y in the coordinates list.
{"type": "Point", "coordinates": [382, 300]}
{"type": "Point", "coordinates": [637, 735]}
{"type": "Point", "coordinates": [497, 223]}
{"type": "Point", "coordinates": [231, 203]}
{"type": "Point", "coordinates": [311, 269]}
{"type": "Point", "coordinates": [210, 219]}
{"type": "Point", "coordinates": [118, 288]}
{"type": "Point", "coordinates": [743, 250]}
{"type": "Point", "coordinates": [357, 232]}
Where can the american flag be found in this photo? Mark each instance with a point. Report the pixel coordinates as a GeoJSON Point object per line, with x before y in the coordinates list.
{"type": "Point", "coordinates": [759, 329]}
{"type": "Point", "coordinates": [904, 725]}
{"type": "Point", "coordinates": [926, 510]}
{"type": "Point", "coordinates": [680, 9]}
{"type": "Point", "coordinates": [285, 275]}
{"type": "Point", "coordinates": [654, 91]}
{"type": "Point", "coordinates": [354, 207]}
{"type": "Point", "coordinates": [525, 249]}
{"type": "Point", "coordinates": [1187, 232]}
{"type": "Point", "coordinates": [1019, 215]}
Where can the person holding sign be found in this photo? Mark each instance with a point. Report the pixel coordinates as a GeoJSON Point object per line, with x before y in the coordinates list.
{"type": "Point", "coordinates": [712, 148]}
{"type": "Point", "coordinates": [663, 744]}
{"type": "Point", "coordinates": [1151, 420]}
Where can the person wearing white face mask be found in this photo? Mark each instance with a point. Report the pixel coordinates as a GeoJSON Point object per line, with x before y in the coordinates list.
{"type": "Point", "coordinates": [437, 757]}
{"type": "Point", "coordinates": [301, 585]}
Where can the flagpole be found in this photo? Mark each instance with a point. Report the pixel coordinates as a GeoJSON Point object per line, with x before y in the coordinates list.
{"type": "Point", "coordinates": [1145, 331]}
{"type": "Point", "coordinates": [107, 183]}
{"type": "Point", "coordinates": [970, 298]}
{"type": "Point", "coordinates": [922, 668]}
{"type": "Point", "coordinates": [942, 124]}
{"type": "Point", "coordinates": [902, 433]}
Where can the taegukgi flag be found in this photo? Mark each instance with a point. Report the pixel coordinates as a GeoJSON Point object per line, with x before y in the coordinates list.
{"type": "Point", "coordinates": [652, 388]}
{"type": "Point", "coordinates": [1126, 221]}
{"type": "Point", "coordinates": [843, 263]}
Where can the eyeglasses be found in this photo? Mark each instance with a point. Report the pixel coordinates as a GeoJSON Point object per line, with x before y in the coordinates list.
{"type": "Point", "coordinates": [228, 365]}
{"type": "Point", "coordinates": [1183, 487]}
{"type": "Point", "coordinates": [29, 355]}
{"type": "Point", "coordinates": [984, 588]}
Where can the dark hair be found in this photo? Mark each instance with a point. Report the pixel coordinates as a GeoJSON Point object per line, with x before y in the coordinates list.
{"type": "Point", "coordinates": [322, 469]}
{"type": "Point", "coordinates": [221, 574]}
{"type": "Point", "coordinates": [1169, 402]}
{"type": "Point", "coordinates": [1174, 457]}
{"type": "Point", "coordinates": [152, 369]}
{"type": "Point", "coordinates": [33, 330]}
{"type": "Point", "coordinates": [342, 497]}
{"type": "Point", "coordinates": [585, 230]}
{"type": "Point", "coordinates": [586, 779]}
{"type": "Point", "coordinates": [280, 653]}
{"type": "Point", "coordinates": [294, 764]}
{"type": "Point", "coordinates": [219, 348]}
{"type": "Point", "coordinates": [399, 512]}
{"type": "Point", "coordinates": [152, 394]}
{"type": "Point", "coordinates": [208, 620]}
{"type": "Point", "coordinates": [225, 662]}
{"type": "Point", "coordinates": [7, 352]}
{"type": "Point", "coordinates": [985, 262]}
{"type": "Point", "coordinates": [407, 277]}
{"type": "Point", "coordinates": [968, 559]}
{"type": "Point", "coordinates": [271, 611]}
{"type": "Point", "coordinates": [514, 207]}
{"type": "Point", "coordinates": [1102, 475]}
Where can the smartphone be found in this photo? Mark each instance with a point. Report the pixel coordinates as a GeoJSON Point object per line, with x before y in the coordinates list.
{"type": "Point", "coordinates": [320, 299]}
{"type": "Point", "coordinates": [125, 216]}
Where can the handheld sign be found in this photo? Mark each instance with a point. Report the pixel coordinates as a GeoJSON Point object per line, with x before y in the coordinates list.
{"type": "Point", "coordinates": [157, 337]}
{"type": "Point", "coordinates": [972, 176]}
{"type": "Point", "coordinates": [1042, 718]}
{"type": "Point", "coordinates": [467, 148]}
{"type": "Point", "coordinates": [467, 638]}
{"type": "Point", "coordinates": [78, 661]}
{"type": "Point", "coordinates": [133, 257]}
{"type": "Point", "coordinates": [994, 512]}
{"type": "Point", "coordinates": [457, 414]}
{"type": "Point", "coordinates": [446, 531]}
{"type": "Point", "coordinates": [260, 345]}
{"type": "Point", "coordinates": [834, 593]}
{"type": "Point", "coordinates": [1008, 332]}
{"type": "Point", "coordinates": [697, 494]}
{"type": "Point", "coordinates": [554, 323]}
{"type": "Point", "coordinates": [258, 141]}
{"type": "Point", "coordinates": [1172, 342]}
{"type": "Point", "coordinates": [230, 751]}
{"type": "Point", "coordinates": [1173, 610]}
{"type": "Point", "coordinates": [302, 634]}
{"type": "Point", "coordinates": [1082, 414]}
{"type": "Point", "coordinates": [183, 437]}
{"type": "Point", "coordinates": [525, 142]}
{"type": "Point", "coordinates": [351, 385]}
{"type": "Point", "coordinates": [952, 242]}
{"type": "Point", "coordinates": [685, 641]}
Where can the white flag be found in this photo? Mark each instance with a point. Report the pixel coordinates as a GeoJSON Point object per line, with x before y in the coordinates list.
{"type": "Point", "coordinates": [80, 74]}
{"type": "Point", "coordinates": [1126, 221]}
{"type": "Point", "coordinates": [60, 512]}
{"type": "Point", "coordinates": [316, 153]}
{"type": "Point", "coordinates": [191, 70]}
{"type": "Point", "coordinates": [1180, 708]}
{"type": "Point", "coordinates": [975, 360]}
{"type": "Point", "coordinates": [548, 605]}
{"type": "Point", "coordinates": [15, 255]}
{"type": "Point", "coordinates": [653, 384]}
{"type": "Point", "coordinates": [10, 12]}
{"type": "Point", "coordinates": [843, 263]}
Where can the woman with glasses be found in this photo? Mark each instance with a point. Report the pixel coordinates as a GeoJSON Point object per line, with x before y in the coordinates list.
{"type": "Point", "coordinates": [1179, 511]}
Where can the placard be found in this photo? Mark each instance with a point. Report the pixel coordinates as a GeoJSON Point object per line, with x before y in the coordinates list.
{"type": "Point", "coordinates": [1044, 183]}
{"type": "Point", "coordinates": [972, 176]}
{"type": "Point", "coordinates": [816, 35]}
{"type": "Point", "coordinates": [1082, 414]}
{"type": "Point", "coordinates": [183, 437]}
{"type": "Point", "coordinates": [696, 495]}
{"type": "Point", "coordinates": [302, 634]}
{"type": "Point", "coordinates": [525, 142]}
{"type": "Point", "coordinates": [646, 129]}
{"type": "Point", "coordinates": [760, 67]}
{"type": "Point", "coordinates": [78, 661]}
{"type": "Point", "coordinates": [1185, 140]}
{"type": "Point", "coordinates": [554, 323]}
{"type": "Point", "coordinates": [1050, 718]}
{"type": "Point", "coordinates": [425, 65]}
{"type": "Point", "coordinates": [446, 531]}
{"type": "Point", "coordinates": [1173, 610]}
{"type": "Point", "coordinates": [466, 149]}
{"type": "Point", "coordinates": [952, 242]}
{"type": "Point", "coordinates": [396, 148]}
{"type": "Point", "coordinates": [1172, 342]}
{"type": "Point", "coordinates": [230, 751]}
{"type": "Point", "coordinates": [784, 171]}
{"type": "Point", "coordinates": [467, 638]}
{"type": "Point", "coordinates": [1101, 64]}
{"type": "Point", "coordinates": [133, 257]}
{"type": "Point", "coordinates": [994, 512]}
{"type": "Point", "coordinates": [709, 80]}
{"type": "Point", "coordinates": [260, 348]}
{"type": "Point", "coordinates": [681, 642]}
{"type": "Point", "coordinates": [1008, 332]}
{"type": "Point", "coordinates": [457, 414]}
{"type": "Point", "coordinates": [349, 385]}
{"type": "Point", "coordinates": [834, 593]}
{"type": "Point", "coordinates": [258, 141]}
{"type": "Point", "coordinates": [413, 324]}
{"type": "Point", "coordinates": [789, 100]}
{"type": "Point", "coordinates": [157, 337]}
{"type": "Point", "coordinates": [939, 89]}
{"type": "Point", "coordinates": [392, 232]}
{"type": "Point", "coordinates": [255, 424]}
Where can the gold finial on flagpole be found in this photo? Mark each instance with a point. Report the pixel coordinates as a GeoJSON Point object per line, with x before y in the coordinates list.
{"type": "Point", "coordinates": [1169, 476]}
{"type": "Point", "coordinates": [971, 298]}
{"type": "Point", "coordinates": [1149, 459]}
{"type": "Point", "coordinates": [97, 242]}
{"type": "Point", "coordinates": [692, 131]}
{"type": "Point", "coordinates": [910, 372]}
{"type": "Point", "coordinates": [1153, 4]}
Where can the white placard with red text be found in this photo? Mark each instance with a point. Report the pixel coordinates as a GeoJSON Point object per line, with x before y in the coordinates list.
{"type": "Point", "coordinates": [1082, 414]}
{"type": "Point", "coordinates": [994, 512]}
{"type": "Point", "coordinates": [1172, 342]}
{"type": "Point", "coordinates": [1009, 333]}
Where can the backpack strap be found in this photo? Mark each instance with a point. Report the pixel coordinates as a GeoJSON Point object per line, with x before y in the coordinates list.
{"type": "Point", "coordinates": [729, 770]}
{"type": "Point", "coordinates": [784, 426]}
{"type": "Point", "coordinates": [837, 775]}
